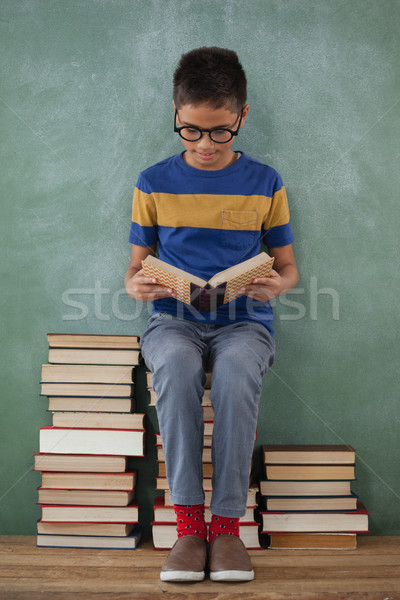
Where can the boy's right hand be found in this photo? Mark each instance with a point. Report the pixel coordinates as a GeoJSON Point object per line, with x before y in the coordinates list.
{"type": "Point", "coordinates": [146, 289]}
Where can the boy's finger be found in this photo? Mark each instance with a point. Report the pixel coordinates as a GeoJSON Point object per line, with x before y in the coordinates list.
{"type": "Point", "coordinates": [148, 280]}
{"type": "Point", "coordinates": [263, 281]}
{"type": "Point", "coordinates": [162, 289]}
{"type": "Point", "coordinates": [160, 294]}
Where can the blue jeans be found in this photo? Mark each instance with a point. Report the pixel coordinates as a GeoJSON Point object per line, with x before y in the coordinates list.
{"type": "Point", "coordinates": [179, 352]}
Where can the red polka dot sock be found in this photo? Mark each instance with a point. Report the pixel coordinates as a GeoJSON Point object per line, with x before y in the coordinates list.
{"type": "Point", "coordinates": [190, 520]}
{"type": "Point", "coordinates": [223, 526]}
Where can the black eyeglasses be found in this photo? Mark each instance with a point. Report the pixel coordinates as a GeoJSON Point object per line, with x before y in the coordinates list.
{"type": "Point", "coordinates": [219, 135]}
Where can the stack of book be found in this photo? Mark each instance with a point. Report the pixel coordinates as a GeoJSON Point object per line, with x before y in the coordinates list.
{"type": "Point", "coordinates": [306, 501]}
{"type": "Point", "coordinates": [87, 494]}
{"type": "Point", "coordinates": [164, 524]}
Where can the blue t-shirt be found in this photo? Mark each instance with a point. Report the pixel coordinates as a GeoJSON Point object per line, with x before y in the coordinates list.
{"type": "Point", "coordinates": [207, 221]}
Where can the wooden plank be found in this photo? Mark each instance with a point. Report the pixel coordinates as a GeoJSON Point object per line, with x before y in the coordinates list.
{"type": "Point", "coordinates": [367, 544]}
{"type": "Point", "coordinates": [191, 595]}
{"type": "Point", "coordinates": [136, 586]}
{"type": "Point", "coordinates": [295, 572]}
{"type": "Point", "coordinates": [147, 573]}
{"type": "Point", "coordinates": [122, 559]}
{"type": "Point", "coordinates": [370, 573]}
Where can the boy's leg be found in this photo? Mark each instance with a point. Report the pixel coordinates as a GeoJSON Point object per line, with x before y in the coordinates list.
{"type": "Point", "coordinates": [240, 355]}
{"type": "Point", "coordinates": [174, 353]}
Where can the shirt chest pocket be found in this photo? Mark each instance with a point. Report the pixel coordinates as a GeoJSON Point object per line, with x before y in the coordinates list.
{"type": "Point", "coordinates": [239, 229]}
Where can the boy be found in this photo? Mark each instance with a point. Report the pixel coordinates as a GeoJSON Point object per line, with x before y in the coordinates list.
{"type": "Point", "coordinates": [205, 210]}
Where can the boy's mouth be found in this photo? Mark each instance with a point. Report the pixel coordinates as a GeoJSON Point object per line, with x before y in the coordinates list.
{"type": "Point", "coordinates": [206, 156]}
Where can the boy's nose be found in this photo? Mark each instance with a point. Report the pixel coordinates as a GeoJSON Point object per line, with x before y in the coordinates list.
{"type": "Point", "coordinates": [205, 143]}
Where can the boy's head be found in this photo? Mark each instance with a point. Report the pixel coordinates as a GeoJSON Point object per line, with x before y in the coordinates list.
{"type": "Point", "coordinates": [212, 76]}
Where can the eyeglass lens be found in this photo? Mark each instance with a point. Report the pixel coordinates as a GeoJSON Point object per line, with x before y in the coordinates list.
{"type": "Point", "coordinates": [192, 135]}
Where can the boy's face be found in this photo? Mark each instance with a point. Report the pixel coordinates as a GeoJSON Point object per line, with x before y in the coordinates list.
{"type": "Point", "coordinates": [204, 153]}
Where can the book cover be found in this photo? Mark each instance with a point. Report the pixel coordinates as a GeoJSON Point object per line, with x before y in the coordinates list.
{"type": "Point", "coordinates": [208, 295]}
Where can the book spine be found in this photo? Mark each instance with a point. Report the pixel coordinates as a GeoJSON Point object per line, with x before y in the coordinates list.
{"type": "Point", "coordinates": [207, 299]}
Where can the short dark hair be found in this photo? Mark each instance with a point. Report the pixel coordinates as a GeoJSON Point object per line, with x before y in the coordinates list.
{"type": "Point", "coordinates": [210, 75]}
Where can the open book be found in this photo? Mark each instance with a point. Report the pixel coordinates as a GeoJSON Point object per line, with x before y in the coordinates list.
{"type": "Point", "coordinates": [208, 295]}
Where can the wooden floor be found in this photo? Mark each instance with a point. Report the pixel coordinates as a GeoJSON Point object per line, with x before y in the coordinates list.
{"type": "Point", "coordinates": [372, 572]}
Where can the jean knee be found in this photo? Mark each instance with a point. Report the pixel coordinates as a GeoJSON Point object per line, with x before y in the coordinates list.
{"type": "Point", "coordinates": [181, 359]}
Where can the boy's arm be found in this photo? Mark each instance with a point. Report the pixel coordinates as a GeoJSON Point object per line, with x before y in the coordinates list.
{"type": "Point", "coordinates": [137, 285]}
{"type": "Point", "coordinates": [283, 277]}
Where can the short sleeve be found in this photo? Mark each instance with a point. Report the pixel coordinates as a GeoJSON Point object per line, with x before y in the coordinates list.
{"type": "Point", "coordinates": [144, 218]}
{"type": "Point", "coordinates": [276, 225]}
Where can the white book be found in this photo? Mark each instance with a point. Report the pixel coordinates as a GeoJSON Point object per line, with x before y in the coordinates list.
{"type": "Point", "coordinates": [60, 440]}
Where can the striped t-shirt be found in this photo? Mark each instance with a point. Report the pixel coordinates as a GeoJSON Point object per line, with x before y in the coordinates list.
{"type": "Point", "coordinates": [205, 221]}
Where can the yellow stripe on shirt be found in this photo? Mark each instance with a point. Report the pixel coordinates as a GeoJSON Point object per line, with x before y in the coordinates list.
{"type": "Point", "coordinates": [234, 212]}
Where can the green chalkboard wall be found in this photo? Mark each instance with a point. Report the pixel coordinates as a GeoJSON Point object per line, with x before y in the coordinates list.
{"type": "Point", "coordinates": [86, 104]}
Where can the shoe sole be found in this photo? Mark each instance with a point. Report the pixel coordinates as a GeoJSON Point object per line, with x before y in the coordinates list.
{"type": "Point", "coordinates": [182, 576]}
{"type": "Point", "coordinates": [232, 575]}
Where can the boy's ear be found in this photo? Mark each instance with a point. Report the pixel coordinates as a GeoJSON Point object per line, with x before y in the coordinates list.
{"type": "Point", "coordinates": [245, 111]}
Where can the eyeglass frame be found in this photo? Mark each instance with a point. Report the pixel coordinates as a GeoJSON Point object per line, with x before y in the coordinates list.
{"type": "Point", "coordinates": [209, 131]}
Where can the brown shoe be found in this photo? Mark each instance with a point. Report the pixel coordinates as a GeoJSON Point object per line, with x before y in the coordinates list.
{"type": "Point", "coordinates": [229, 560]}
{"type": "Point", "coordinates": [186, 560]}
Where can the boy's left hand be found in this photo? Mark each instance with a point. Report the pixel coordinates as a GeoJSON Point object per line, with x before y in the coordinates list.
{"type": "Point", "coordinates": [264, 288]}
